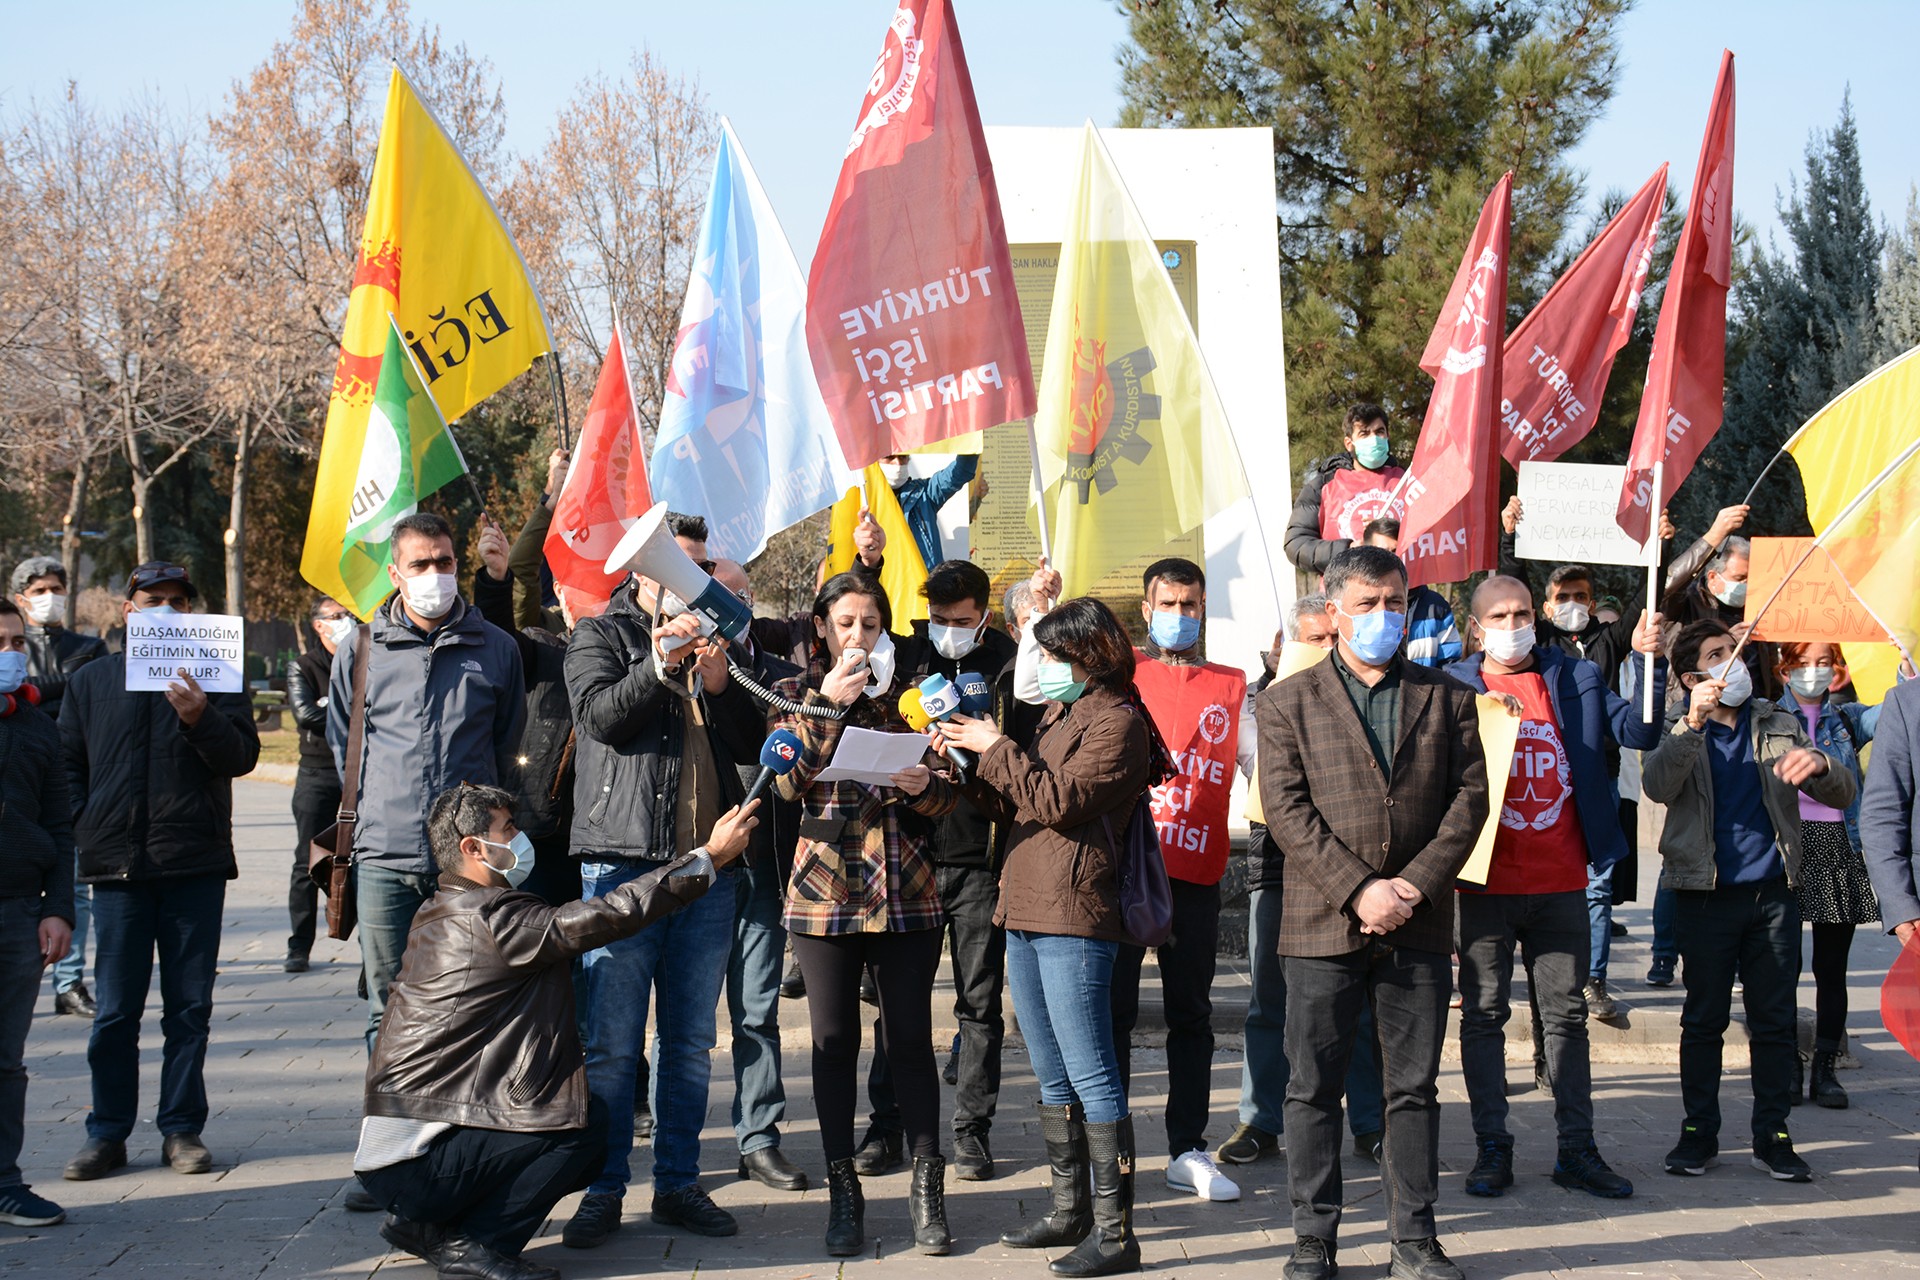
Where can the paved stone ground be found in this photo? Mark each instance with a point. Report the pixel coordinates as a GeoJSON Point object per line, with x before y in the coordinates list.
{"type": "Point", "coordinates": [285, 1065]}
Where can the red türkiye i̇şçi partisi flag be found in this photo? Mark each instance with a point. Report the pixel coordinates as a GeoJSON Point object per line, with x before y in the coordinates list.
{"type": "Point", "coordinates": [606, 490]}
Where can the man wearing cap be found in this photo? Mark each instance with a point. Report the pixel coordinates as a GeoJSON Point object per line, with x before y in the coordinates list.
{"type": "Point", "coordinates": [151, 776]}
{"type": "Point", "coordinates": [54, 653]}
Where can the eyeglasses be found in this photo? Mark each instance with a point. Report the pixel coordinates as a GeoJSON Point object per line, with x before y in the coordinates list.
{"type": "Point", "coordinates": [705, 566]}
{"type": "Point", "coordinates": [145, 575]}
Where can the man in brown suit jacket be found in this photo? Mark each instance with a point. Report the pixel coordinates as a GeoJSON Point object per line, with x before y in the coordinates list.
{"type": "Point", "coordinates": [1375, 791]}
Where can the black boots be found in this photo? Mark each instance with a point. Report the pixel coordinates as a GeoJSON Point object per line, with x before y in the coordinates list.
{"type": "Point", "coordinates": [1110, 1248]}
{"type": "Point", "coordinates": [1824, 1085]}
{"type": "Point", "coordinates": [927, 1205]}
{"type": "Point", "coordinates": [1072, 1214]}
{"type": "Point", "coordinates": [846, 1210]}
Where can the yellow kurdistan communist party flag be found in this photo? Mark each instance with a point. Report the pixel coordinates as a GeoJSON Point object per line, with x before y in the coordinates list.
{"type": "Point", "coordinates": [435, 254]}
{"type": "Point", "coordinates": [1131, 442]}
{"type": "Point", "coordinates": [902, 572]}
{"type": "Point", "coordinates": [1841, 451]}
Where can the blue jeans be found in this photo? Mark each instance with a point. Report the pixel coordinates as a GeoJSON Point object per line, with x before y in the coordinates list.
{"type": "Point", "coordinates": [20, 979]}
{"type": "Point", "coordinates": [180, 920]}
{"type": "Point", "coordinates": [684, 957]}
{"type": "Point", "coordinates": [1599, 922]}
{"type": "Point", "coordinates": [1665, 945]}
{"type": "Point", "coordinates": [1264, 1071]}
{"type": "Point", "coordinates": [386, 900]}
{"type": "Point", "coordinates": [71, 969]}
{"type": "Point", "coordinates": [1062, 993]}
{"type": "Point", "coordinates": [753, 1005]}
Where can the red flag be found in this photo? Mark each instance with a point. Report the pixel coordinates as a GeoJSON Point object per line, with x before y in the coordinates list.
{"type": "Point", "coordinates": [1900, 998]}
{"type": "Point", "coordinates": [1558, 360]}
{"type": "Point", "coordinates": [606, 489]}
{"type": "Point", "coordinates": [1451, 492]}
{"type": "Point", "coordinates": [1686, 379]}
{"type": "Point", "coordinates": [912, 320]}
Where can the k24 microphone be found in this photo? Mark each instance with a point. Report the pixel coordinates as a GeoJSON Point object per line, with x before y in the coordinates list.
{"type": "Point", "coordinates": [778, 755]}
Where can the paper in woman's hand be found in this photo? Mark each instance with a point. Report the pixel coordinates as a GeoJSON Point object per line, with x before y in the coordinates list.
{"type": "Point", "coordinates": [866, 755]}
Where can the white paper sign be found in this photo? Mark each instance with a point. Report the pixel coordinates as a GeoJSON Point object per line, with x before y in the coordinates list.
{"type": "Point", "coordinates": [210, 646]}
{"type": "Point", "coordinates": [872, 757]}
{"type": "Point", "coordinates": [1568, 515]}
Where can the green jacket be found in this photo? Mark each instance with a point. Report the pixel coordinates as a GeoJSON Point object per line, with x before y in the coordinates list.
{"type": "Point", "coordinates": [1678, 774]}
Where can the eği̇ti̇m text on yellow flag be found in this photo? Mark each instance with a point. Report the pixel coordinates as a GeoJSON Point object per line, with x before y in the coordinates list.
{"type": "Point", "coordinates": [902, 572]}
{"type": "Point", "coordinates": [1131, 441]}
{"type": "Point", "coordinates": [436, 255]}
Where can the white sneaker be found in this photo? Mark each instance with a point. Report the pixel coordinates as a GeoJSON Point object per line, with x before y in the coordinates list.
{"type": "Point", "coordinates": [1196, 1172]}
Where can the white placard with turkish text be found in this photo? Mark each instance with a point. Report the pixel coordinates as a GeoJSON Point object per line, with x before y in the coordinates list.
{"type": "Point", "coordinates": [209, 646]}
{"type": "Point", "coordinates": [1567, 515]}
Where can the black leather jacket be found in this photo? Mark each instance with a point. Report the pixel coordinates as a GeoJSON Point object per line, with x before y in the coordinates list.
{"type": "Point", "coordinates": [307, 682]}
{"type": "Point", "coordinates": [53, 655]}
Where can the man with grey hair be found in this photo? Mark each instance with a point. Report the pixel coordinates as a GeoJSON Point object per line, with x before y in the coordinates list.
{"type": "Point", "coordinates": [1017, 607]}
{"type": "Point", "coordinates": [478, 1116]}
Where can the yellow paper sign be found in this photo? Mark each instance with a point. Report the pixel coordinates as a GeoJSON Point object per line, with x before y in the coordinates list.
{"type": "Point", "coordinates": [1499, 732]}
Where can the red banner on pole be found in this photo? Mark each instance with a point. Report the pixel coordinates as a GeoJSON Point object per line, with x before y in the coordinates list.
{"type": "Point", "coordinates": [1451, 492]}
{"type": "Point", "coordinates": [606, 490]}
{"type": "Point", "coordinates": [1686, 379]}
{"type": "Point", "coordinates": [912, 320]}
{"type": "Point", "coordinates": [1558, 360]}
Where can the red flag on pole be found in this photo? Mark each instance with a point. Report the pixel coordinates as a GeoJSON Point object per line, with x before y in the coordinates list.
{"type": "Point", "coordinates": [912, 321]}
{"type": "Point", "coordinates": [1451, 492]}
{"type": "Point", "coordinates": [1900, 998]}
{"type": "Point", "coordinates": [1558, 360]}
{"type": "Point", "coordinates": [1686, 379]}
{"type": "Point", "coordinates": [606, 489]}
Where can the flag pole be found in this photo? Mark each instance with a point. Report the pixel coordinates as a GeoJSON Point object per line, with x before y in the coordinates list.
{"type": "Point", "coordinates": [1653, 583]}
{"type": "Point", "coordinates": [479, 499]}
{"type": "Point", "coordinates": [559, 387]}
{"type": "Point", "coordinates": [1039, 493]}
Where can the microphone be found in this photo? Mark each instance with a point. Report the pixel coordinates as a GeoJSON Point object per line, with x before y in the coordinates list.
{"type": "Point", "coordinates": [939, 699]}
{"type": "Point", "coordinates": [914, 712]}
{"type": "Point", "coordinates": [976, 695]}
{"type": "Point", "coordinates": [778, 755]}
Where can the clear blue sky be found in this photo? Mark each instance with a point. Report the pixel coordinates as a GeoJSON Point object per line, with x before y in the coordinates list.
{"type": "Point", "coordinates": [789, 72]}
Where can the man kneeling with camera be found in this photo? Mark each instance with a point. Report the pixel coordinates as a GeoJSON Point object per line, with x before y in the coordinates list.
{"type": "Point", "coordinates": [477, 1107]}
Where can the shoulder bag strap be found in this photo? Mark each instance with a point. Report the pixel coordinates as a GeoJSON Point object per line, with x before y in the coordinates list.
{"type": "Point", "coordinates": [356, 727]}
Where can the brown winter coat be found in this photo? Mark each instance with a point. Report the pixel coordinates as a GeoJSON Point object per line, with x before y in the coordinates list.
{"type": "Point", "coordinates": [1090, 759]}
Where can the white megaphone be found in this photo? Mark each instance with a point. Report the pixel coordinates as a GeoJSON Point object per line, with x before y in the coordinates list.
{"type": "Point", "coordinates": [646, 548]}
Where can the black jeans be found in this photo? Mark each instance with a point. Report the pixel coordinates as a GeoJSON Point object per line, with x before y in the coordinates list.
{"type": "Point", "coordinates": [316, 803]}
{"type": "Point", "coordinates": [979, 948]}
{"type": "Point", "coordinates": [491, 1185]}
{"type": "Point", "coordinates": [1186, 988]}
{"type": "Point", "coordinates": [903, 967]}
{"type": "Point", "coordinates": [1325, 994]}
{"type": "Point", "coordinates": [1750, 932]}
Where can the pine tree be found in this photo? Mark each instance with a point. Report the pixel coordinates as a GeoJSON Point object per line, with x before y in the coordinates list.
{"type": "Point", "coordinates": [1898, 305]}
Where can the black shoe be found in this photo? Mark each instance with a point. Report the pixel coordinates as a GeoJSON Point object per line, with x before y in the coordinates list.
{"type": "Point", "coordinates": [1367, 1146]}
{"type": "Point", "coordinates": [1492, 1173]}
{"type": "Point", "coordinates": [185, 1153]}
{"type": "Point", "coordinates": [1775, 1156]}
{"type": "Point", "coordinates": [972, 1157]}
{"type": "Point", "coordinates": [76, 999]}
{"type": "Point", "coordinates": [846, 1210]}
{"type": "Point", "coordinates": [1071, 1217]}
{"type": "Point", "coordinates": [642, 1119]}
{"type": "Point", "coordinates": [1694, 1154]}
{"type": "Point", "coordinates": [869, 994]}
{"type": "Point", "coordinates": [1312, 1260]}
{"type": "Point", "coordinates": [1248, 1143]}
{"type": "Point", "coordinates": [1582, 1169]}
{"type": "Point", "coordinates": [768, 1166]}
{"type": "Point", "coordinates": [1422, 1260]}
{"type": "Point", "coordinates": [1617, 929]}
{"type": "Point", "coordinates": [927, 1207]}
{"type": "Point", "coordinates": [96, 1160]}
{"type": "Point", "coordinates": [1111, 1246]}
{"type": "Point", "coordinates": [20, 1207]}
{"type": "Point", "coordinates": [792, 985]}
{"type": "Point", "coordinates": [690, 1207]}
{"type": "Point", "coordinates": [359, 1200]}
{"type": "Point", "coordinates": [464, 1258]}
{"type": "Point", "coordinates": [1601, 1005]}
{"type": "Point", "coordinates": [597, 1218]}
{"type": "Point", "coordinates": [1825, 1086]}
{"type": "Point", "coordinates": [296, 962]}
{"type": "Point", "coordinates": [421, 1239]}
{"type": "Point", "coordinates": [880, 1153]}
{"type": "Point", "coordinates": [1660, 973]}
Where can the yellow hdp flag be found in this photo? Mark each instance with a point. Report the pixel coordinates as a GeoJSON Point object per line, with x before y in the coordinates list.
{"type": "Point", "coordinates": [1132, 443]}
{"type": "Point", "coordinates": [902, 572]}
{"type": "Point", "coordinates": [435, 254]}
{"type": "Point", "coordinates": [1875, 541]}
{"type": "Point", "coordinates": [1849, 442]}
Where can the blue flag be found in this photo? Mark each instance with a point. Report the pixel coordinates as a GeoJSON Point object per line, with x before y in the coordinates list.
{"type": "Point", "coordinates": [744, 436]}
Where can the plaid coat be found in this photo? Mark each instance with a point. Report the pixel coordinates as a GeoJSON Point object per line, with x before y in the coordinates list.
{"type": "Point", "coordinates": [1338, 823]}
{"type": "Point", "coordinates": [861, 865]}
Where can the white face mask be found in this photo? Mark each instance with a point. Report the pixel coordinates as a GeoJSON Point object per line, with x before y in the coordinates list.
{"type": "Point", "coordinates": [430, 594]}
{"type": "Point", "coordinates": [1739, 681]}
{"type": "Point", "coordinates": [1508, 647]}
{"type": "Point", "coordinates": [1731, 594]}
{"type": "Point", "coordinates": [50, 607]}
{"type": "Point", "coordinates": [880, 666]}
{"type": "Point", "coordinates": [1571, 616]}
{"type": "Point", "coordinates": [895, 473]}
{"type": "Point", "coordinates": [521, 847]}
{"type": "Point", "coordinates": [338, 629]}
{"type": "Point", "coordinates": [1810, 682]}
{"type": "Point", "coordinates": [955, 642]}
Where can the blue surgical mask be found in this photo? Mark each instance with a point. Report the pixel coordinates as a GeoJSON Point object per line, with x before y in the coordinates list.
{"type": "Point", "coordinates": [1057, 683]}
{"type": "Point", "coordinates": [1376, 636]}
{"type": "Point", "coordinates": [521, 847]}
{"type": "Point", "coordinates": [1173, 631]}
{"type": "Point", "coordinates": [13, 670]}
{"type": "Point", "coordinates": [1370, 452]}
{"type": "Point", "coordinates": [159, 610]}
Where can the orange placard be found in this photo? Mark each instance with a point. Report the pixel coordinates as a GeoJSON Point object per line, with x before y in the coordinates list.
{"type": "Point", "coordinates": [1817, 604]}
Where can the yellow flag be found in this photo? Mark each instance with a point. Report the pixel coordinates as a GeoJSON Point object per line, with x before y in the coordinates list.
{"type": "Point", "coordinates": [1844, 446]}
{"type": "Point", "coordinates": [1132, 442]}
{"type": "Point", "coordinates": [1875, 542]}
{"type": "Point", "coordinates": [902, 572]}
{"type": "Point", "coordinates": [1499, 735]}
{"type": "Point", "coordinates": [435, 254]}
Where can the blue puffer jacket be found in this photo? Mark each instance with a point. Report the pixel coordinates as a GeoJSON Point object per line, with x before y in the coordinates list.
{"type": "Point", "coordinates": [1590, 715]}
{"type": "Point", "coordinates": [922, 497]}
{"type": "Point", "coordinates": [1844, 728]}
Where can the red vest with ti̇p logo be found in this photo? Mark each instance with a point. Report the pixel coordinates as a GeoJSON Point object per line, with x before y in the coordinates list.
{"type": "Point", "coordinates": [1352, 496]}
{"type": "Point", "coordinates": [1197, 710]}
